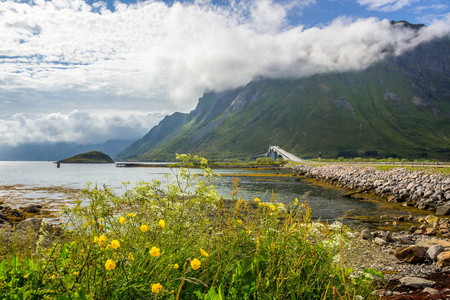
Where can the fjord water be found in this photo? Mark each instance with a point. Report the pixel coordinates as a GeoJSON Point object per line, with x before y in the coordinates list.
{"type": "Point", "coordinates": [24, 183]}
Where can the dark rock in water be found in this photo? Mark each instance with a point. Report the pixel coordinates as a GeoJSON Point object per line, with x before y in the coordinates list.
{"type": "Point", "coordinates": [411, 254]}
{"type": "Point", "coordinates": [32, 209]}
{"type": "Point", "coordinates": [443, 210]}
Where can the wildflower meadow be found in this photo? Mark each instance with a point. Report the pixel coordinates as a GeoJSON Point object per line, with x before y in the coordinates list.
{"type": "Point", "coordinates": [183, 241]}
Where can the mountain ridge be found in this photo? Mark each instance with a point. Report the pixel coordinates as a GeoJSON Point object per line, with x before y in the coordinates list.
{"type": "Point", "coordinates": [57, 151]}
{"type": "Point", "coordinates": [397, 107]}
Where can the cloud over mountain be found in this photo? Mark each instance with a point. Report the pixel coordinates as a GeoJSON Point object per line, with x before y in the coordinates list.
{"type": "Point", "coordinates": [163, 57]}
{"type": "Point", "coordinates": [78, 126]}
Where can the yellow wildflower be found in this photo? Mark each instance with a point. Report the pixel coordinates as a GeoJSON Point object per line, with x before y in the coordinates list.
{"type": "Point", "coordinates": [96, 239]}
{"type": "Point", "coordinates": [261, 204]}
{"type": "Point", "coordinates": [53, 276]}
{"type": "Point", "coordinates": [144, 228]}
{"type": "Point", "coordinates": [296, 201]}
{"type": "Point", "coordinates": [131, 215]}
{"type": "Point", "coordinates": [204, 253]}
{"type": "Point", "coordinates": [156, 288]}
{"type": "Point", "coordinates": [280, 205]}
{"type": "Point", "coordinates": [122, 220]}
{"type": "Point", "coordinates": [162, 223]}
{"type": "Point", "coordinates": [176, 266]}
{"type": "Point", "coordinates": [101, 219]}
{"type": "Point", "coordinates": [101, 240]}
{"type": "Point", "coordinates": [248, 231]}
{"type": "Point", "coordinates": [130, 256]}
{"type": "Point", "coordinates": [25, 276]}
{"type": "Point", "coordinates": [93, 221]}
{"type": "Point", "coordinates": [239, 221]}
{"type": "Point", "coordinates": [155, 251]}
{"type": "Point", "coordinates": [271, 206]}
{"type": "Point", "coordinates": [256, 200]}
{"type": "Point", "coordinates": [75, 273]}
{"type": "Point", "coordinates": [110, 265]}
{"type": "Point", "coordinates": [115, 244]}
{"type": "Point", "coordinates": [195, 264]}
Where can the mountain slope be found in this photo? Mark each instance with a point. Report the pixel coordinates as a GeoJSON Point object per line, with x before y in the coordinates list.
{"type": "Point", "coordinates": [399, 107]}
{"type": "Point", "coordinates": [57, 151]}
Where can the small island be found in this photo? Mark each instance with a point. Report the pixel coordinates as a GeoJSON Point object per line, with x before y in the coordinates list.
{"type": "Point", "coordinates": [92, 157]}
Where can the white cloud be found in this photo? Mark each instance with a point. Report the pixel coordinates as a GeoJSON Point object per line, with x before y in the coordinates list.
{"type": "Point", "coordinates": [63, 55]}
{"type": "Point", "coordinates": [386, 5]}
{"type": "Point", "coordinates": [78, 126]}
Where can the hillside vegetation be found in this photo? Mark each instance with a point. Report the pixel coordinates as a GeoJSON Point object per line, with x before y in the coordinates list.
{"type": "Point", "coordinates": [399, 107]}
{"type": "Point", "coordinates": [96, 157]}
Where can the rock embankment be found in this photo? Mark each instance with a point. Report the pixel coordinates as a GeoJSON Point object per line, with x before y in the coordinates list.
{"type": "Point", "coordinates": [414, 188]}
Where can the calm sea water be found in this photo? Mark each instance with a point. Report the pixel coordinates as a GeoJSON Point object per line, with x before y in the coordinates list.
{"type": "Point", "coordinates": [23, 183]}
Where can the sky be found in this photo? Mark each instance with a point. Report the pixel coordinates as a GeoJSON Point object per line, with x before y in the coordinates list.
{"type": "Point", "coordinates": [87, 71]}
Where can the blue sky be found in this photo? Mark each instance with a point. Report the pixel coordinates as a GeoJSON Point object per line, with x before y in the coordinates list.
{"type": "Point", "coordinates": [88, 71]}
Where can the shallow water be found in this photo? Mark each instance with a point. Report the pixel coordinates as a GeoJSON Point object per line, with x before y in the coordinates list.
{"type": "Point", "coordinates": [25, 183]}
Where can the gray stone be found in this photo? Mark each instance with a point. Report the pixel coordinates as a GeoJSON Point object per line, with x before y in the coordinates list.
{"type": "Point", "coordinates": [365, 234]}
{"type": "Point", "coordinates": [428, 194]}
{"type": "Point", "coordinates": [385, 235]}
{"type": "Point", "coordinates": [410, 185]}
{"type": "Point", "coordinates": [433, 252]}
{"type": "Point", "coordinates": [430, 291]}
{"type": "Point", "coordinates": [443, 210]}
{"type": "Point", "coordinates": [379, 241]}
{"type": "Point", "coordinates": [416, 282]}
{"type": "Point", "coordinates": [404, 239]}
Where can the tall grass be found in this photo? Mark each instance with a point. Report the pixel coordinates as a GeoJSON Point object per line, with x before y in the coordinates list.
{"type": "Point", "coordinates": [185, 242]}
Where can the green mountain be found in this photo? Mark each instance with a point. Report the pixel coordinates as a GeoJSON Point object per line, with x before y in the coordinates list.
{"type": "Point", "coordinates": [398, 107]}
{"type": "Point", "coordinates": [92, 157]}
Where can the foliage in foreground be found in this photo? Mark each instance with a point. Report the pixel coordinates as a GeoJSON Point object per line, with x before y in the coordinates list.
{"type": "Point", "coordinates": [185, 242]}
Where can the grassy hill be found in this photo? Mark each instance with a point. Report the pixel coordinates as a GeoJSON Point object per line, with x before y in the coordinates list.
{"type": "Point", "coordinates": [399, 107]}
{"type": "Point", "coordinates": [95, 157]}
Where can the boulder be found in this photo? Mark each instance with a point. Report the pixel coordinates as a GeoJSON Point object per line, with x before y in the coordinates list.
{"type": "Point", "coordinates": [443, 210]}
{"type": "Point", "coordinates": [416, 282]}
{"type": "Point", "coordinates": [443, 259]}
{"type": "Point", "coordinates": [412, 254]}
{"type": "Point", "coordinates": [379, 241]}
{"type": "Point", "coordinates": [365, 234]}
{"type": "Point", "coordinates": [432, 220]}
{"type": "Point", "coordinates": [33, 223]}
{"type": "Point", "coordinates": [428, 194]}
{"type": "Point", "coordinates": [430, 291]}
{"type": "Point", "coordinates": [404, 239]}
{"type": "Point", "coordinates": [433, 252]}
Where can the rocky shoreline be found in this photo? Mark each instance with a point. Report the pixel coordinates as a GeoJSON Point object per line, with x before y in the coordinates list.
{"type": "Point", "coordinates": [413, 188]}
{"type": "Point", "coordinates": [416, 262]}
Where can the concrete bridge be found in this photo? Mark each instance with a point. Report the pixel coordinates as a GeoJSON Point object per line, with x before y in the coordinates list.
{"type": "Point", "coordinates": [276, 152]}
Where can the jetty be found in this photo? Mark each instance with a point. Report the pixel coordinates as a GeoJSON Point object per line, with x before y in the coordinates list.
{"type": "Point", "coordinates": [142, 165]}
